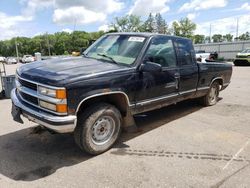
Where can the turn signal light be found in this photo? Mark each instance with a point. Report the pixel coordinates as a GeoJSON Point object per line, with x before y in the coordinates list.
{"type": "Point", "coordinates": [61, 94]}
{"type": "Point", "coordinates": [61, 108]}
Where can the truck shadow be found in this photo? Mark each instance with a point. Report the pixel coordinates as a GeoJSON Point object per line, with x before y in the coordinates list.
{"type": "Point", "coordinates": [31, 154]}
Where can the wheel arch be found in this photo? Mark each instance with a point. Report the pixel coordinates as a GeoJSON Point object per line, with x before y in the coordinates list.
{"type": "Point", "coordinates": [220, 80]}
{"type": "Point", "coordinates": [117, 98]}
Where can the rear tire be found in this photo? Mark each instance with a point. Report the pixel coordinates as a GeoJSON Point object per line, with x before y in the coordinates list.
{"type": "Point", "coordinates": [98, 128]}
{"type": "Point", "coordinates": [211, 98]}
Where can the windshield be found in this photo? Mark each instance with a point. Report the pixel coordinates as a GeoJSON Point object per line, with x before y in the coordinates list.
{"type": "Point", "coordinates": [120, 49]}
{"type": "Point", "coordinates": [246, 51]}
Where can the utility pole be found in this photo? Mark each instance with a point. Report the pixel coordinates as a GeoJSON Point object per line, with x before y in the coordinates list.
{"type": "Point", "coordinates": [17, 55]}
{"type": "Point", "coordinates": [237, 29]}
{"type": "Point", "coordinates": [73, 34]}
{"type": "Point", "coordinates": [48, 43]}
{"type": "Point", "coordinates": [210, 31]}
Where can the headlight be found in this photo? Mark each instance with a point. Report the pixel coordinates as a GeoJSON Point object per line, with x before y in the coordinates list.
{"type": "Point", "coordinates": [47, 105]}
{"type": "Point", "coordinates": [55, 93]}
{"type": "Point", "coordinates": [60, 108]}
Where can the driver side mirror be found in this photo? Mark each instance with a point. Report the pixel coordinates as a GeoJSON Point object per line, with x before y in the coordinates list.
{"type": "Point", "coordinates": [150, 67]}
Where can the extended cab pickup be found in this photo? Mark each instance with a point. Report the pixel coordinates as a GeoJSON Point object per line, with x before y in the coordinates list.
{"type": "Point", "coordinates": [120, 75]}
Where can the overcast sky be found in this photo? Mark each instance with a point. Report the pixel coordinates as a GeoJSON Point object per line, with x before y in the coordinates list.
{"type": "Point", "coordinates": [33, 17]}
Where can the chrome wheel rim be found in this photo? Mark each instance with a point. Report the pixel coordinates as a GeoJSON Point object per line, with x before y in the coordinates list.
{"type": "Point", "coordinates": [213, 94]}
{"type": "Point", "coordinates": [103, 130]}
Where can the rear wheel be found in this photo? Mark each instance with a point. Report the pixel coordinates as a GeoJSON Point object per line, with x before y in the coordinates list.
{"type": "Point", "coordinates": [98, 128]}
{"type": "Point", "coordinates": [211, 98]}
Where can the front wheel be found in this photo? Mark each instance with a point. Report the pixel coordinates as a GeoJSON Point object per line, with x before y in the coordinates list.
{"type": "Point", "coordinates": [211, 98]}
{"type": "Point", "coordinates": [98, 128]}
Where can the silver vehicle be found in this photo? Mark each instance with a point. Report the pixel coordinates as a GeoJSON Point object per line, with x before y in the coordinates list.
{"type": "Point", "coordinates": [28, 59]}
{"type": "Point", "coordinates": [2, 59]}
{"type": "Point", "coordinates": [11, 60]}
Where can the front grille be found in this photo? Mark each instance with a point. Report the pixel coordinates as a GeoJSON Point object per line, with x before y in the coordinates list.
{"type": "Point", "coordinates": [27, 84]}
{"type": "Point", "coordinates": [27, 91]}
{"type": "Point", "coordinates": [29, 98]}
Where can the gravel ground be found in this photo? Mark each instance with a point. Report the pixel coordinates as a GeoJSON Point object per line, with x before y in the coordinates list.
{"type": "Point", "coordinates": [183, 145]}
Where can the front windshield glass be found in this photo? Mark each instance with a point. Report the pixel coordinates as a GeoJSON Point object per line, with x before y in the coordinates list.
{"type": "Point", "coordinates": [246, 51]}
{"type": "Point", "coordinates": [120, 49]}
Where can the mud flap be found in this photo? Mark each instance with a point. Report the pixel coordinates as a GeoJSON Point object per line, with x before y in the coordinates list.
{"type": "Point", "coordinates": [129, 124]}
{"type": "Point", "coordinates": [16, 114]}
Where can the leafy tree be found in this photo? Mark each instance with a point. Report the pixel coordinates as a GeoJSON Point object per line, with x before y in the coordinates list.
{"type": "Point", "coordinates": [149, 24]}
{"type": "Point", "coordinates": [129, 23]}
{"type": "Point", "coordinates": [198, 39]}
{"type": "Point", "coordinates": [161, 25]}
{"type": "Point", "coordinates": [184, 28]}
{"type": "Point", "coordinates": [59, 43]}
{"type": "Point", "coordinates": [217, 38]}
{"type": "Point", "coordinates": [245, 36]}
{"type": "Point", "coordinates": [228, 37]}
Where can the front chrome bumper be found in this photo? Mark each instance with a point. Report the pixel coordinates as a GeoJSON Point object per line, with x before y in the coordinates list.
{"type": "Point", "coordinates": [60, 124]}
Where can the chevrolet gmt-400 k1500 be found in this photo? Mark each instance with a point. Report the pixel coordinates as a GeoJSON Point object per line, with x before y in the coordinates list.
{"type": "Point", "coordinates": [118, 76]}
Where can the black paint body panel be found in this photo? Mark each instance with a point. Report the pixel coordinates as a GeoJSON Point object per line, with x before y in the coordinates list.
{"type": "Point", "coordinates": [83, 77]}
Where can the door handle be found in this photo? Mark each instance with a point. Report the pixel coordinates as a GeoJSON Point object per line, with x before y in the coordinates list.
{"type": "Point", "coordinates": [177, 79]}
{"type": "Point", "coordinates": [177, 75]}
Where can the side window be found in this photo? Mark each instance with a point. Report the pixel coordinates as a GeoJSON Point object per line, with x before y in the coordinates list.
{"type": "Point", "coordinates": [185, 51]}
{"type": "Point", "coordinates": [161, 51]}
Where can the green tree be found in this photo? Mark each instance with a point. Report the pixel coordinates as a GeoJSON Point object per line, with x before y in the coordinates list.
{"type": "Point", "coordinates": [161, 25]}
{"type": "Point", "coordinates": [217, 38]}
{"type": "Point", "coordinates": [228, 37]}
{"type": "Point", "coordinates": [149, 24]}
{"type": "Point", "coordinates": [129, 23]}
{"type": "Point", "coordinates": [198, 39]}
{"type": "Point", "coordinates": [245, 36]}
{"type": "Point", "coordinates": [184, 28]}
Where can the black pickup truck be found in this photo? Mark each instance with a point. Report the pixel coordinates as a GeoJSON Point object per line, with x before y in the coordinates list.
{"type": "Point", "coordinates": [120, 75]}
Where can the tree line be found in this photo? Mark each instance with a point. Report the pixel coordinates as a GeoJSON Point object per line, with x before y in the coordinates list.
{"type": "Point", "coordinates": [60, 43]}
{"type": "Point", "coordinates": [65, 43]}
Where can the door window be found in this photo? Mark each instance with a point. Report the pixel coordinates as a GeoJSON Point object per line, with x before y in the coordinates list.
{"type": "Point", "coordinates": [161, 51]}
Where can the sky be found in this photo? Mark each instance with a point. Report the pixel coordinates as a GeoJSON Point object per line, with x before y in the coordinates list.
{"type": "Point", "coordinates": [33, 17]}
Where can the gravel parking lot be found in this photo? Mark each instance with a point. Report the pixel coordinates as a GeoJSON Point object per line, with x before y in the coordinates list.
{"type": "Point", "coordinates": [184, 145]}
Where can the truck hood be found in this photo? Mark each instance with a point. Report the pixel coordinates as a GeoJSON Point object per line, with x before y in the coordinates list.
{"type": "Point", "coordinates": [243, 54]}
{"type": "Point", "coordinates": [60, 71]}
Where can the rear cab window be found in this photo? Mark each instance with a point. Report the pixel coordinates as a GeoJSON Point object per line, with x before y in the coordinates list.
{"type": "Point", "coordinates": [185, 51]}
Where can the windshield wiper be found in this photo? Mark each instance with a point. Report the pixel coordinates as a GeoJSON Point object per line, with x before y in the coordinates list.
{"type": "Point", "coordinates": [104, 55]}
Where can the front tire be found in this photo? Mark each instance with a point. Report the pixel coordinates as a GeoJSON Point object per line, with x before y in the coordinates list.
{"type": "Point", "coordinates": [98, 128]}
{"type": "Point", "coordinates": [211, 98]}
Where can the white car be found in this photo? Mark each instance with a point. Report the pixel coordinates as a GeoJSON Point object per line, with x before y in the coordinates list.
{"type": "Point", "coordinates": [11, 60]}
{"type": "Point", "coordinates": [28, 59]}
{"type": "Point", "coordinates": [2, 59]}
{"type": "Point", "coordinates": [202, 55]}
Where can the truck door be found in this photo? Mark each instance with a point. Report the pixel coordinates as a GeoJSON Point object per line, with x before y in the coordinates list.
{"type": "Point", "coordinates": [188, 66]}
{"type": "Point", "coordinates": [160, 86]}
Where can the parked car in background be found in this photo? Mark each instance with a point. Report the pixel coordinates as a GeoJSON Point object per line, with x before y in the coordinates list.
{"type": "Point", "coordinates": [28, 59]}
{"type": "Point", "coordinates": [243, 58]}
{"type": "Point", "coordinates": [11, 60]}
{"type": "Point", "coordinates": [2, 59]}
{"type": "Point", "coordinates": [201, 55]}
